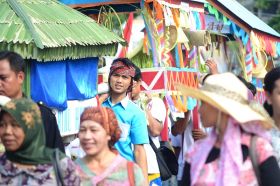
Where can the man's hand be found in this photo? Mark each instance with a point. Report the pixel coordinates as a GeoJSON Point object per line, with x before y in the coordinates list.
{"type": "Point", "coordinates": [198, 134]}
{"type": "Point", "coordinates": [155, 127]}
{"type": "Point", "coordinates": [181, 124]}
{"type": "Point", "coordinates": [212, 66]}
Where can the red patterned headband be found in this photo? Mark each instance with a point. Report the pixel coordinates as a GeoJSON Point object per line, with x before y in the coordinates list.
{"type": "Point", "coordinates": [120, 68]}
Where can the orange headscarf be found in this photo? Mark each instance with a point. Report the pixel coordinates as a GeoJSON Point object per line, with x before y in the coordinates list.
{"type": "Point", "coordinates": [106, 118]}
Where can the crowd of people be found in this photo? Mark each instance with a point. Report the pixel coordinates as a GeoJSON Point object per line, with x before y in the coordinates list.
{"type": "Point", "coordinates": [237, 144]}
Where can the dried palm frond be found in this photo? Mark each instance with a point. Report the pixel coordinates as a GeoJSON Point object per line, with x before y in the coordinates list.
{"type": "Point", "coordinates": [47, 30]}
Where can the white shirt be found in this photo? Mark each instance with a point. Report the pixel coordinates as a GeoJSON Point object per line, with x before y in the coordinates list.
{"type": "Point", "coordinates": [187, 143]}
{"type": "Point", "coordinates": [158, 111]}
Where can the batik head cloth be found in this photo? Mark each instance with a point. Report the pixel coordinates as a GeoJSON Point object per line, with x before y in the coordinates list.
{"type": "Point", "coordinates": [106, 118]}
{"type": "Point", "coordinates": [120, 68]}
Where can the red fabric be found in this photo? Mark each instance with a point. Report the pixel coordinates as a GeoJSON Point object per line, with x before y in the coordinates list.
{"type": "Point", "coordinates": [260, 97]}
{"type": "Point", "coordinates": [186, 58]}
{"type": "Point", "coordinates": [97, 99]}
{"type": "Point", "coordinates": [164, 133]}
{"type": "Point", "coordinates": [195, 118]}
{"type": "Point", "coordinates": [120, 68]}
{"type": "Point", "coordinates": [187, 78]}
{"type": "Point", "coordinates": [268, 44]}
{"type": "Point", "coordinates": [202, 20]}
{"type": "Point", "coordinates": [100, 78]}
{"type": "Point", "coordinates": [266, 36]}
{"type": "Point", "coordinates": [175, 2]}
{"type": "Point", "coordinates": [148, 77]}
{"type": "Point", "coordinates": [173, 64]}
{"type": "Point", "coordinates": [127, 33]}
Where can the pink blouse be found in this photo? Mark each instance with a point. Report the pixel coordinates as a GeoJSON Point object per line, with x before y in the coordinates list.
{"type": "Point", "coordinates": [247, 177]}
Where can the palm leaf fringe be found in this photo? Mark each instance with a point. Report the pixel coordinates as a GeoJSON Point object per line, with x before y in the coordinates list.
{"type": "Point", "coordinates": [63, 31]}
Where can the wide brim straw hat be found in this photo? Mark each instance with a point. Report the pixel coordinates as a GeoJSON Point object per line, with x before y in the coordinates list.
{"type": "Point", "coordinates": [229, 95]}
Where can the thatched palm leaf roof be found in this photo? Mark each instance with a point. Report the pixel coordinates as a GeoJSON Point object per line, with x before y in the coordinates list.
{"type": "Point", "coordinates": [48, 30]}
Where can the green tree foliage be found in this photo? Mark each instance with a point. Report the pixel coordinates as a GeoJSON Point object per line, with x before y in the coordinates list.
{"type": "Point", "coordinates": [262, 4]}
{"type": "Point", "coordinates": [275, 22]}
{"type": "Point", "coordinates": [266, 4]}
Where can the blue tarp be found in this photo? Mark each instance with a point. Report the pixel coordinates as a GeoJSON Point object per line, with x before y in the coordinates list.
{"type": "Point", "coordinates": [56, 82]}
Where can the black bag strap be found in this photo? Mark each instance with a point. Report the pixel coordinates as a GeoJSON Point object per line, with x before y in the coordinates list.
{"type": "Point", "coordinates": [254, 157]}
{"type": "Point", "coordinates": [182, 144]}
{"type": "Point", "coordinates": [153, 145]}
{"type": "Point", "coordinates": [57, 169]}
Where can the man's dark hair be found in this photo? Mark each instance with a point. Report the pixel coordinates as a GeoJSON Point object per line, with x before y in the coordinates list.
{"type": "Point", "coordinates": [125, 61]}
{"type": "Point", "coordinates": [15, 60]}
{"type": "Point", "coordinates": [269, 84]}
{"type": "Point", "coordinates": [138, 74]}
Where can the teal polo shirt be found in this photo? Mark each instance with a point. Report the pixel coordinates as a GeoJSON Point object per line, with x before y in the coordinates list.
{"type": "Point", "coordinates": [133, 124]}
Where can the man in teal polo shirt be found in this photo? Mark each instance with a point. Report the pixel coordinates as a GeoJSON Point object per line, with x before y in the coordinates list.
{"type": "Point", "coordinates": [131, 118]}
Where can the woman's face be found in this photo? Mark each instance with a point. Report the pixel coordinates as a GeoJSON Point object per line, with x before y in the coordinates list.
{"type": "Point", "coordinates": [208, 114]}
{"type": "Point", "coordinates": [274, 98]}
{"type": "Point", "coordinates": [11, 134]}
{"type": "Point", "coordinates": [93, 137]}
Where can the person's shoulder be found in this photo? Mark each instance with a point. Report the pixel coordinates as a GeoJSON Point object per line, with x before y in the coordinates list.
{"type": "Point", "coordinates": [156, 102]}
{"type": "Point", "coordinates": [44, 108]}
{"type": "Point", "coordinates": [5, 163]}
{"type": "Point", "coordinates": [79, 161]}
{"type": "Point", "coordinates": [133, 106]}
{"type": "Point", "coordinates": [124, 162]}
{"type": "Point", "coordinates": [66, 163]}
{"type": "Point", "coordinates": [3, 158]}
{"type": "Point", "coordinates": [157, 99]}
{"type": "Point", "coordinates": [136, 110]}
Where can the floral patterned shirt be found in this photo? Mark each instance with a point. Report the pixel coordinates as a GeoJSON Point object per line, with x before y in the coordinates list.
{"type": "Point", "coordinates": [42, 174]}
{"type": "Point", "coordinates": [115, 175]}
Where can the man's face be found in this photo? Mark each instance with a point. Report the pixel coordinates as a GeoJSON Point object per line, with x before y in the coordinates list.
{"type": "Point", "coordinates": [119, 83]}
{"type": "Point", "coordinates": [136, 89]}
{"type": "Point", "coordinates": [274, 98]}
{"type": "Point", "coordinates": [10, 81]}
{"type": "Point", "coordinates": [208, 114]}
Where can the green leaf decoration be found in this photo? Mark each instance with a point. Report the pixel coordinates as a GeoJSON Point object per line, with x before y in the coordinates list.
{"type": "Point", "coordinates": [63, 32]}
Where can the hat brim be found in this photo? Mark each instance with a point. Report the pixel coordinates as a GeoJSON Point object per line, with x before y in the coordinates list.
{"type": "Point", "coordinates": [242, 113]}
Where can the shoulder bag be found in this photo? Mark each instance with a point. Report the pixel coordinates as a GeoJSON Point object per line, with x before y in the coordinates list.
{"type": "Point", "coordinates": [254, 157]}
{"type": "Point", "coordinates": [167, 161]}
{"type": "Point", "coordinates": [57, 168]}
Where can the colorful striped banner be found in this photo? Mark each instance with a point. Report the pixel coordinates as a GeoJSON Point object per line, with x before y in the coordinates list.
{"type": "Point", "coordinates": [249, 61]}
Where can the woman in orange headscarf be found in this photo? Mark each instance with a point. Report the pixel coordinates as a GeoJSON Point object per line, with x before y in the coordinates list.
{"type": "Point", "coordinates": [98, 133]}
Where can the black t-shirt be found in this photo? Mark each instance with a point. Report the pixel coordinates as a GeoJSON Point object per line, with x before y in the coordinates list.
{"type": "Point", "coordinates": [53, 137]}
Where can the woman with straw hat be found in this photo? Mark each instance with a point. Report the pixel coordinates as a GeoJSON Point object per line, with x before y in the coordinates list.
{"type": "Point", "coordinates": [237, 152]}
